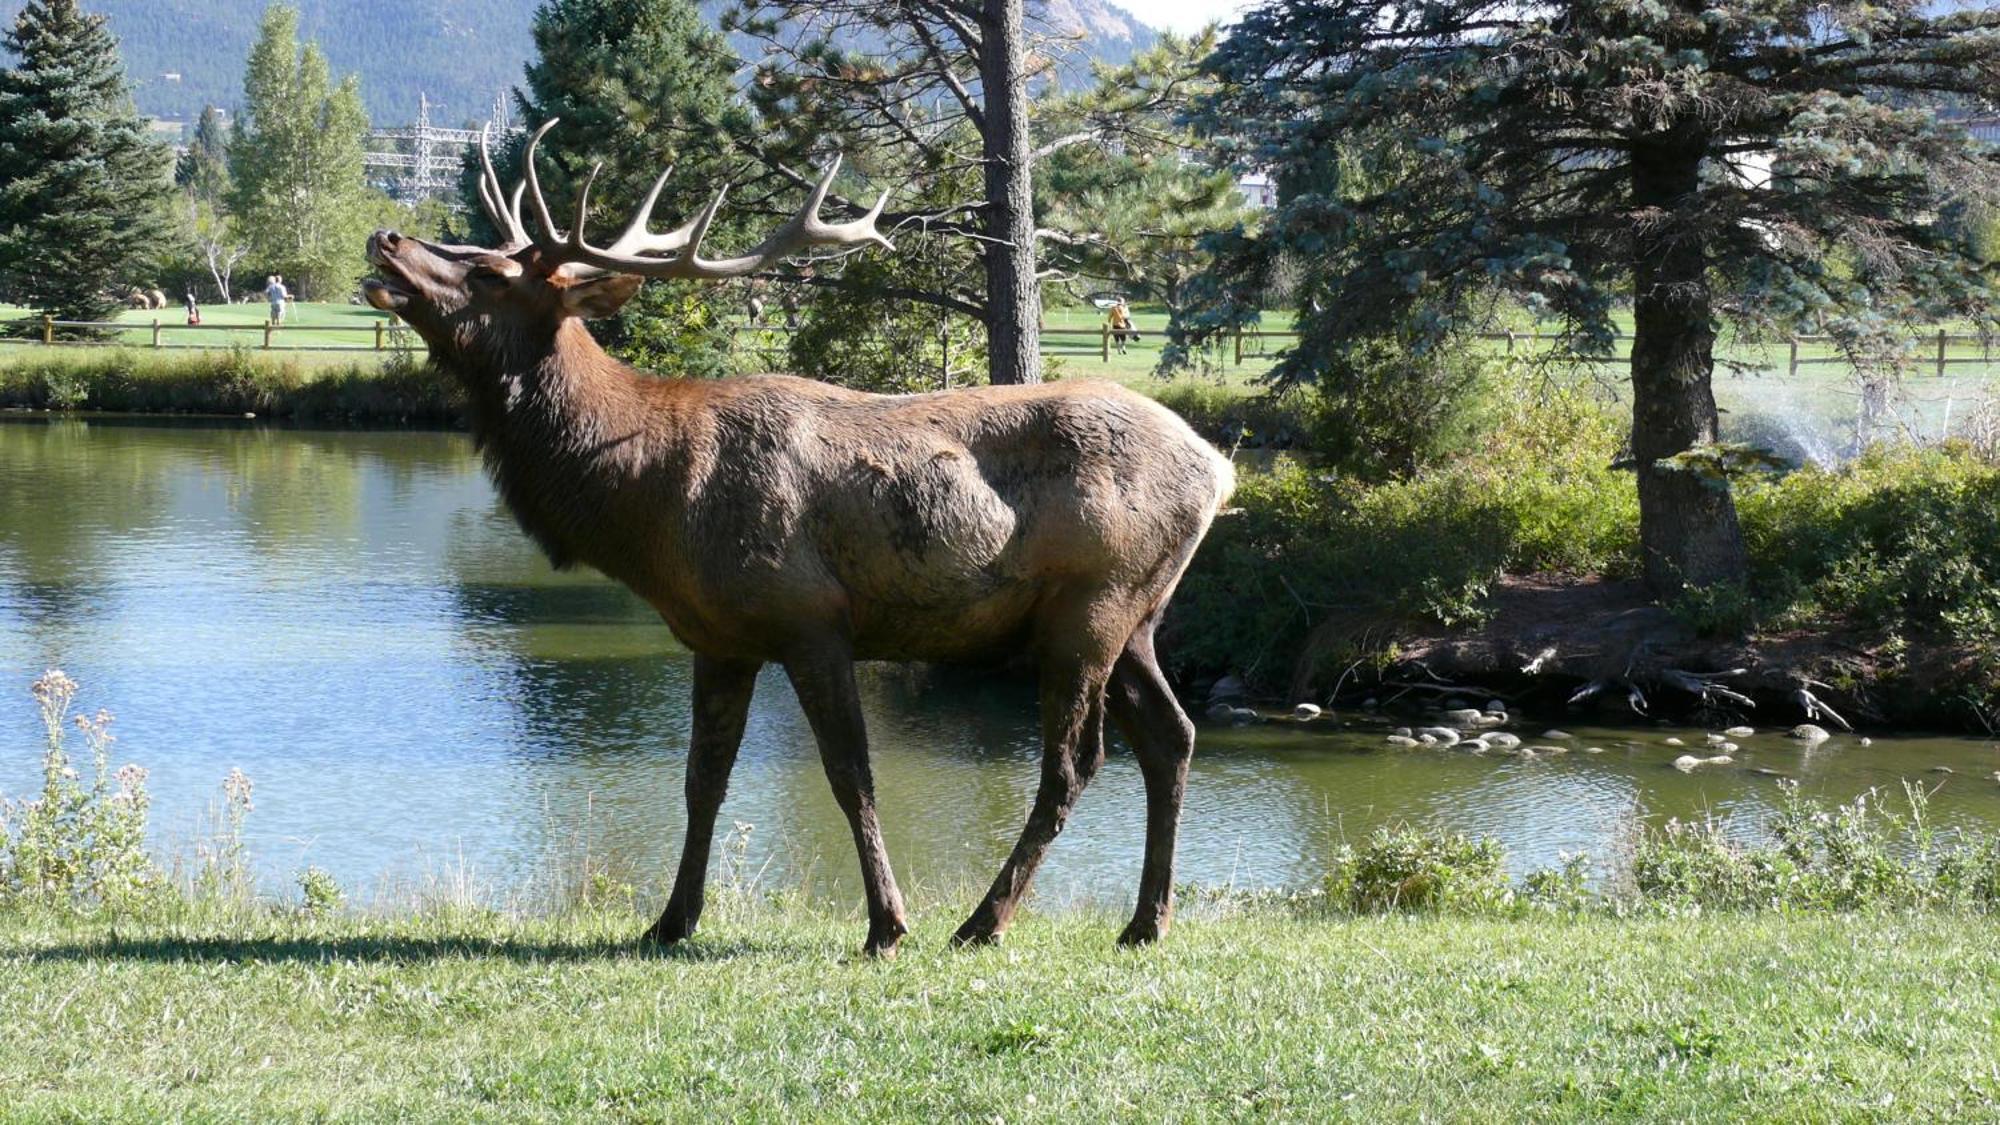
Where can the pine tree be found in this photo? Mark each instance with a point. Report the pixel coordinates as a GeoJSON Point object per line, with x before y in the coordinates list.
{"type": "Point", "coordinates": [203, 170]}
{"type": "Point", "coordinates": [298, 195]}
{"type": "Point", "coordinates": [1780, 164]}
{"type": "Point", "coordinates": [83, 191]}
{"type": "Point", "coordinates": [640, 85]}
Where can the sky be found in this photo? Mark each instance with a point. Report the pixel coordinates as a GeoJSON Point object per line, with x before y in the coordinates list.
{"type": "Point", "coordinates": [1183, 15]}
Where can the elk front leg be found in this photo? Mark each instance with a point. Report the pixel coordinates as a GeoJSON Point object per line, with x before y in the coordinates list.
{"type": "Point", "coordinates": [1162, 739]}
{"type": "Point", "coordinates": [722, 690]}
{"type": "Point", "coordinates": [824, 682]}
{"type": "Point", "coordinates": [1072, 750]}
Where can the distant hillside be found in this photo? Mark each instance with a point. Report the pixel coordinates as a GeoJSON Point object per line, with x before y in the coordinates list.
{"type": "Point", "coordinates": [183, 54]}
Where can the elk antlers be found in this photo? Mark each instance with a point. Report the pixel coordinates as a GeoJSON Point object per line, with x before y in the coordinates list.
{"type": "Point", "coordinates": [633, 252]}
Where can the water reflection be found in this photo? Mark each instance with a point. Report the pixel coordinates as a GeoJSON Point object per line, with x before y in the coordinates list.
{"type": "Point", "coordinates": [352, 620]}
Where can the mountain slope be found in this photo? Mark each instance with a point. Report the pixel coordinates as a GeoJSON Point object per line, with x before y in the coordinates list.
{"type": "Point", "coordinates": [183, 54]}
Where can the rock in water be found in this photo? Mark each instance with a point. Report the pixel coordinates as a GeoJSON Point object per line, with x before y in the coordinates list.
{"type": "Point", "coordinates": [1675, 742]}
{"type": "Point", "coordinates": [1496, 706]}
{"type": "Point", "coordinates": [1463, 717]}
{"type": "Point", "coordinates": [1306, 711]}
{"type": "Point", "coordinates": [1740, 732]}
{"type": "Point", "coordinates": [1406, 732]}
{"type": "Point", "coordinates": [1403, 741]}
{"type": "Point", "coordinates": [1221, 712]}
{"type": "Point", "coordinates": [1557, 735]}
{"type": "Point", "coordinates": [1501, 739]}
{"type": "Point", "coordinates": [1806, 732]}
{"type": "Point", "coordinates": [1243, 716]}
{"type": "Point", "coordinates": [1688, 763]}
{"type": "Point", "coordinates": [1443, 736]}
{"type": "Point", "coordinates": [1228, 687]}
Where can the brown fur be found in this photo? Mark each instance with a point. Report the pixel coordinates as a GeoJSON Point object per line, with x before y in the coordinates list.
{"type": "Point", "coordinates": [775, 519]}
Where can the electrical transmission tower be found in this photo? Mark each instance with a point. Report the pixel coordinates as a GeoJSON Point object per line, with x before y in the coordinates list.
{"type": "Point", "coordinates": [421, 161]}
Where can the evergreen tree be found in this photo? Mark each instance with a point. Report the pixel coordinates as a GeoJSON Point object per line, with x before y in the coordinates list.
{"type": "Point", "coordinates": [297, 194]}
{"type": "Point", "coordinates": [203, 170]}
{"type": "Point", "coordinates": [640, 85]}
{"type": "Point", "coordinates": [1776, 163]}
{"type": "Point", "coordinates": [83, 191]}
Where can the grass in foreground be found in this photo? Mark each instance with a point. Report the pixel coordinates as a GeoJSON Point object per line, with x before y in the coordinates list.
{"type": "Point", "coordinates": [770, 1014]}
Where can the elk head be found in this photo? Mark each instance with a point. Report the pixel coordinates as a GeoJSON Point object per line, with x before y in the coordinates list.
{"type": "Point", "coordinates": [482, 306]}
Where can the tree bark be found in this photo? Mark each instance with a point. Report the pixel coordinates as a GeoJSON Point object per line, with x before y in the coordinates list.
{"type": "Point", "coordinates": [1688, 532]}
{"type": "Point", "coordinates": [1013, 319]}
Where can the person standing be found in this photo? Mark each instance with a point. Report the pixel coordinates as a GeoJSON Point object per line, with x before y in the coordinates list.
{"type": "Point", "coordinates": [275, 292]}
{"type": "Point", "coordinates": [1120, 322]}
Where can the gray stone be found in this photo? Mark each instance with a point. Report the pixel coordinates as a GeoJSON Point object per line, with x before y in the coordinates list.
{"type": "Point", "coordinates": [1807, 732]}
{"type": "Point", "coordinates": [1501, 739]}
{"type": "Point", "coordinates": [1306, 711]}
{"type": "Point", "coordinates": [1443, 736]}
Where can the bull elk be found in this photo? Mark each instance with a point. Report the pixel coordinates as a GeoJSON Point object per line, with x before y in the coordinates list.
{"type": "Point", "coordinates": [778, 519]}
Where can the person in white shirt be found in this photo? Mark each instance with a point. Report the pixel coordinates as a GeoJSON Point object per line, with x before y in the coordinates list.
{"type": "Point", "coordinates": [275, 292]}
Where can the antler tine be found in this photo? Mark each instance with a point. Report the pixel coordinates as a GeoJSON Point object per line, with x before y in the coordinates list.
{"type": "Point", "coordinates": [630, 253]}
{"type": "Point", "coordinates": [546, 236]}
{"type": "Point", "coordinates": [506, 220]}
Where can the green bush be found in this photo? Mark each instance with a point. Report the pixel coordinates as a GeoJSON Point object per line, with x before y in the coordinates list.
{"type": "Point", "coordinates": [1413, 870]}
{"type": "Point", "coordinates": [1854, 856]}
{"type": "Point", "coordinates": [400, 387]}
{"type": "Point", "coordinates": [1906, 540]}
{"type": "Point", "coordinates": [1310, 549]}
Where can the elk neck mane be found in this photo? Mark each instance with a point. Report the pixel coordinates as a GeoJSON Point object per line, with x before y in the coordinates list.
{"type": "Point", "coordinates": [562, 427]}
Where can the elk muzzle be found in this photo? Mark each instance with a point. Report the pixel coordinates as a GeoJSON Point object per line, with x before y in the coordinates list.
{"type": "Point", "coordinates": [391, 289]}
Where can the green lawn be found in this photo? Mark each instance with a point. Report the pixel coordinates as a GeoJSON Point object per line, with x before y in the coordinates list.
{"type": "Point", "coordinates": [244, 324]}
{"type": "Point", "coordinates": [770, 1015]}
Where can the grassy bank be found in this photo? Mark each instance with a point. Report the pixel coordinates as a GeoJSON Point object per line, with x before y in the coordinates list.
{"type": "Point", "coordinates": [769, 1015]}
{"type": "Point", "coordinates": [397, 389]}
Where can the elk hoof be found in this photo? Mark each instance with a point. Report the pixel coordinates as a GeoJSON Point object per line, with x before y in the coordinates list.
{"type": "Point", "coordinates": [1142, 933]}
{"type": "Point", "coordinates": [975, 933]}
{"type": "Point", "coordinates": [667, 932]}
{"type": "Point", "coordinates": [883, 941]}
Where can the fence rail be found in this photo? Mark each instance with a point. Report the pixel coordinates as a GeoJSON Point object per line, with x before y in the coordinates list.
{"type": "Point", "coordinates": [389, 333]}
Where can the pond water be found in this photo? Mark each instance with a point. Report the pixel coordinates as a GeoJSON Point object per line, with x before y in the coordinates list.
{"type": "Point", "coordinates": [353, 620]}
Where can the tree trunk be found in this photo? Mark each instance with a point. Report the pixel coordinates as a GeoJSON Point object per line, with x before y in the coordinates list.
{"type": "Point", "coordinates": [1013, 295]}
{"type": "Point", "coordinates": [1688, 534]}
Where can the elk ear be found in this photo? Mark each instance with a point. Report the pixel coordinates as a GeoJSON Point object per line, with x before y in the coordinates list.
{"type": "Point", "coordinates": [593, 298]}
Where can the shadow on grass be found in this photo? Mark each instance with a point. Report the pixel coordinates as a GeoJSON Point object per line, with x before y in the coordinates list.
{"type": "Point", "coordinates": [390, 949]}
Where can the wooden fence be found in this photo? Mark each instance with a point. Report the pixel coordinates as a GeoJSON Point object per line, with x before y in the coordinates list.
{"type": "Point", "coordinates": [389, 333]}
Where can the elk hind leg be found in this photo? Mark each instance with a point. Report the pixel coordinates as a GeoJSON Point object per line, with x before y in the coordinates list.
{"type": "Point", "coordinates": [721, 704]}
{"type": "Point", "coordinates": [1072, 703]}
{"type": "Point", "coordinates": [1162, 738]}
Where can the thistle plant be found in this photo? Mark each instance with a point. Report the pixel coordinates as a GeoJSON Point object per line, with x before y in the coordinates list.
{"type": "Point", "coordinates": [76, 843]}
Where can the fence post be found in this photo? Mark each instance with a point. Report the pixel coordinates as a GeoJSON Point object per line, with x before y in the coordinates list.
{"type": "Point", "coordinates": [267, 335]}
{"type": "Point", "coordinates": [1239, 345]}
{"type": "Point", "coordinates": [1105, 329]}
{"type": "Point", "coordinates": [1792, 368]}
{"type": "Point", "coordinates": [1941, 345]}
{"type": "Point", "coordinates": [156, 332]}
{"type": "Point", "coordinates": [1510, 341]}
{"type": "Point", "coordinates": [379, 324]}
{"type": "Point", "coordinates": [49, 330]}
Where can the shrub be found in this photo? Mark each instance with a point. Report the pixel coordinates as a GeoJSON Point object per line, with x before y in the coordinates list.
{"type": "Point", "coordinates": [1309, 548]}
{"type": "Point", "coordinates": [1408, 869]}
{"type": "Point", "coordinates": [76, 843]}
{"type": "Point", "coordinates": [1852, 856]}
